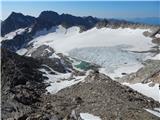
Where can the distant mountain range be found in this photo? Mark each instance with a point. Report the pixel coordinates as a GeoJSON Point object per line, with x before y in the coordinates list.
{"type": "Point", "coordinates": [47, 19]}
{"type": "Point", "coordinates": [146, 20]}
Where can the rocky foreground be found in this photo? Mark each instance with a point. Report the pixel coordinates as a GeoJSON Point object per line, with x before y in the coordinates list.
{"type": "Point", "coordinates": [24, 95]}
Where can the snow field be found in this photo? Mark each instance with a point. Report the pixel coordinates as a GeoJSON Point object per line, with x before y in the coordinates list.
{"type": "Point", "coordinates": [60, 81]}
{"type": "Point", "coordinates": [110, 48]}
{"type": "Point", "coordinates": [145, 89]}
{"type": "Point", "coordinates": [63, 40]}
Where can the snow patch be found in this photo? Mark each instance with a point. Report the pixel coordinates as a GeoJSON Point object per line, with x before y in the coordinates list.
{"type": "Point", "coordinates": [29, 29]}
{"type": "Point", "coordinates": [157, 57]}
{"type": "Point", "coordinates": [87, 116]}
{"type": "Point", "coordinates": [11, 35]}
{"type": "Point", "coordinates": [21, 51]}
{"type": "Point", "coordinates": [126, 69]}
{"type": "Point", "coordinates": [60, 81]}
{"type": "Point", "coordinates": [54, 55]}
{"type": "Point", "coordinates": [57, 86]}
{"type": "Point", "coordinates": [157, 35]}
{"type": "Point", "coordinates": [155, 112]}
{"type": "Point", "coordinates": [157, 109]}
{"type": "Point", "coordinates": [145, 89]}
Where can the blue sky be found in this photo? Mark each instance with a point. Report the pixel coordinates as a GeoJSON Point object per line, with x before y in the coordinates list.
{"type": "Point", "coordinates": [103, 9]}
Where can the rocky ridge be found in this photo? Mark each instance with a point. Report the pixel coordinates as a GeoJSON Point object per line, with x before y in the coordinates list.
{"type": "Point", "coordinates": [24, 90]}
{"type": "Point", "coordinates": [22, 84]}
{"type": "Point", "coordinates": [16, 21]}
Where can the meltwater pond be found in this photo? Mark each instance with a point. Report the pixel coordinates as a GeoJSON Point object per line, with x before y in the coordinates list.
{"type": "Point", "coordinates": [116, 60]}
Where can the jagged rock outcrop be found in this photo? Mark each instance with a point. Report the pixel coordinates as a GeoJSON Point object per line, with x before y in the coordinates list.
{"type": "Point", "coordinates": [47, 56]}
{"type": "Point", "coordinates": [18, 42]}
{"type": "Point", "coordinates": [48, 19]}
{"type": "Point", "coordinates": [22, 84]}
{"type": "Point", "coordinates": [42, 51]}
{"type": "Point", "coordinates": [16, 21]}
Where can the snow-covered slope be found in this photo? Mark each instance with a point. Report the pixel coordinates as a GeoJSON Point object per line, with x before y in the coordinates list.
{"type": "Point", "coordinates": [157, 57]}
{"type": "Point", "coordinates": [64, 40]}
{"type": "Point", "coordinates": [55, 34]}
{"type": "Point", "coordinates": [150, 91]}
{"type": "Point", "coordinates": [155, 112]}
{"type": "Point", "coordinates": [110, 48]}
{"type": "Point", "coordinates": [12, 34]}
{"type": "Point", "coordinates": [60, 81]}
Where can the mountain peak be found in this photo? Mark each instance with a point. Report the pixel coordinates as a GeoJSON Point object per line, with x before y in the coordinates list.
{"type": "Point", "coordinates": [15, 14]}
{"type": "Point", "coordinates": [48, 13]}
{"type": "Point", "coordinates": [16, 21]}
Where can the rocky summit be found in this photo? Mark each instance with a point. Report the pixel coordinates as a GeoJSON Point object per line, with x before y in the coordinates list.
{"type": "Point", "coordinates": [16, 21]}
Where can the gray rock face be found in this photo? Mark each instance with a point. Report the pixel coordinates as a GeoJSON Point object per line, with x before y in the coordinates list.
{"type": "Point", "coordinates": [156, 31]}
{"type": "Point", "coordinates": [42, 51]}
{"type": "Point", "coordinates": [23, 89]}
{"type": "Point", "coordinates": [108, 99]}
{"type": "Point", "coordinates": [22, 84]}
{"type": "Point", "coordinates": [46, 55]}
{"type": "Point", "coordinates": [55, 63]}
{"type": "Point", "coordinates": [16, 21]}
{"type": "Point", "coordinates": [102, 24]}
{"type": "Point", "coordinates": [150, 72]}
{"type": "Point", "coordinates": [21, 41]}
